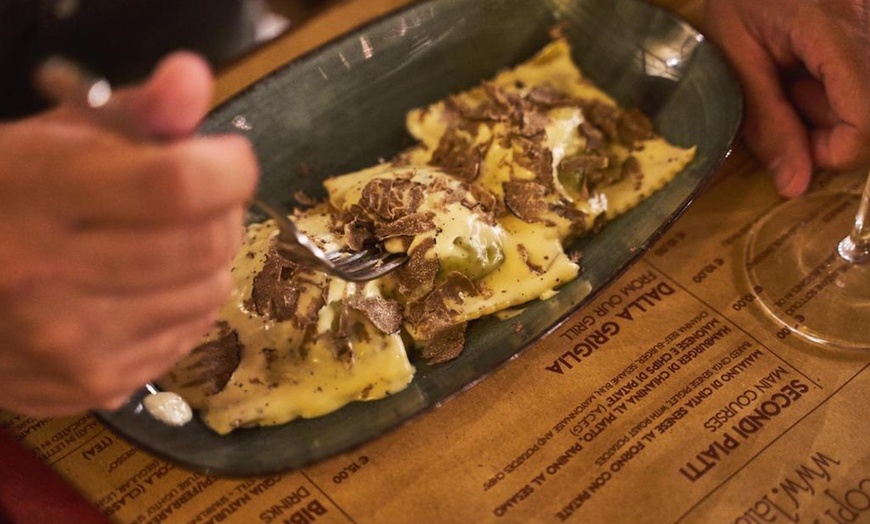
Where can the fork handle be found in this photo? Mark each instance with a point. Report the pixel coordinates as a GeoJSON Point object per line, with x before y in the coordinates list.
{"type": "Point", "coordinates": [66, 83]}
{"type": "Point", "coordinates": [291, 243]}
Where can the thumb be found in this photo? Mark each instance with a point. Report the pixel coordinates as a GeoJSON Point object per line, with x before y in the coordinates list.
{"type": "Point", "coordinates": [174, 99]}
{"type": "Point", "coordinates": [773, 128]}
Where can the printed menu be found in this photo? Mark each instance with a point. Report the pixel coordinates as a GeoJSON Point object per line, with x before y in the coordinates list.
{"type": "Point", "coordinates": [670, 398]}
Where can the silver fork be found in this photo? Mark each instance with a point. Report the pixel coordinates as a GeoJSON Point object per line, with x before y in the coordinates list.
{"type": "Point", "coordinates": [353, 266]}
{"type": "Point", "coordinates": [65, 82]}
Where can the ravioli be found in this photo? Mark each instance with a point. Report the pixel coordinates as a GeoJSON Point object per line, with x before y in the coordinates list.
{"type": "Point", "coordinates": [502, 178]}
{"type": "Point", "coordinates": [291, 342]}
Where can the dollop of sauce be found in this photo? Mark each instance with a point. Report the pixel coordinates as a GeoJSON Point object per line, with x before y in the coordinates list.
{"type": "Point", "coordinates": [168, 407]}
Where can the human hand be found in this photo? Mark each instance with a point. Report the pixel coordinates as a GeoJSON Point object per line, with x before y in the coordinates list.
{"type": "Point", "coordinates": [805, 67]}
{"type": "Point", "coordinates": [115, 252]}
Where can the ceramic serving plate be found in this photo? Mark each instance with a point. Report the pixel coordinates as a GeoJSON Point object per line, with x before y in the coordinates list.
{"type": "Point", "coordinates": [342, 107]}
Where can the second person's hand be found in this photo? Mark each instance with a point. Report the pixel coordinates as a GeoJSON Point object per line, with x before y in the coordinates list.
{"type": "Point", "coordinates": [805, 68]}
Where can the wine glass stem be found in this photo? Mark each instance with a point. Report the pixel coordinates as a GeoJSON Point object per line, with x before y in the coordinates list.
{"type": "Point", "coordinates": [855, 248]}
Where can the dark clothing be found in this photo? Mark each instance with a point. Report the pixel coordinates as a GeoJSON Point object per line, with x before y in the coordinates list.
{"type": "Point", "coordinates": [120, 39]}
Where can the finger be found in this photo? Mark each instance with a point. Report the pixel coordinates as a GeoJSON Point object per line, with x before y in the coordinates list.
{"type": "Point", "coordinates": [773, 129]}
{"type": "Point", "coordinates": [43, 401]}
{"type": "Point", "coordinates": [152, 184]}
{"type": "Point", "coordinates": [808, 95]}
{"type": "Point", "coordinates": [788, 159]}
{"type": "Point", "coordinates": [58, 324]}
{"type": "Point", "coordinates": [150, 359]}
{"type": "Point", "coordinates": [173, 100]}
{"type": "Point", "coordinates": [156, 355]}
{"type": "Point", "coordinates": [102, 383]}
{"type": "Point", "coordinates": [43, 392]}
{"type": "Point", "coordinates": [136, 316]}
{"type": "Point", "coordinates": [45, 398]}
{"type": "Point", "coordinates": [841, 147]}
{"type": "Point", "coordinates": [129, 259]}
{"type": "Point", "coordinates": [777, 137]}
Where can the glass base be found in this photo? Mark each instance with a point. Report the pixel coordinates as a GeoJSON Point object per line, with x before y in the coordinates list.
{"type": "Point", "coordinates": [796, 273]}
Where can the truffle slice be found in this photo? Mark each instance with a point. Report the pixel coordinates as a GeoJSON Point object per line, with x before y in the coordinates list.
{"type": "Point", "coordinates": [207, 369]}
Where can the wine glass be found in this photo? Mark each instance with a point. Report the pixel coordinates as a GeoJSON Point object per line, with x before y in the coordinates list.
{"type": "Point", "coordinates": [807, 276]}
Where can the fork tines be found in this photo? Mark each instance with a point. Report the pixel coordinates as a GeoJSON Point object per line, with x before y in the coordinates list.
{"type": "Point", "coordinates": [364, 265]}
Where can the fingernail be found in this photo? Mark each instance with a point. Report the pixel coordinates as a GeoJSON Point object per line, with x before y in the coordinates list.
{"type": "Point", "coordinates": [791, 181]}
